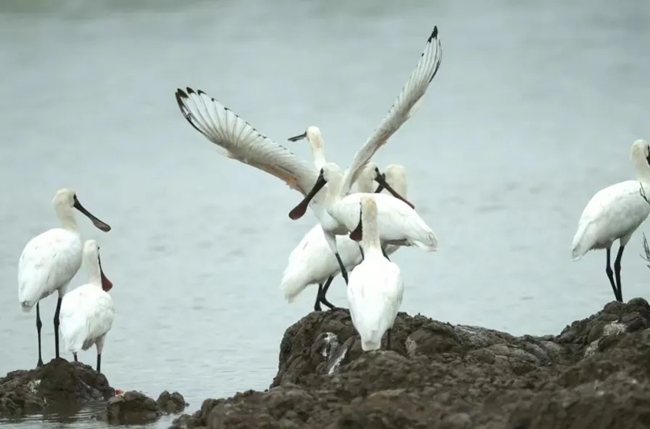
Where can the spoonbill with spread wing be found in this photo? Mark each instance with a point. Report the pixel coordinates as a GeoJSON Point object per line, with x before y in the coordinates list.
{"type": "Point", "coordinates": [398, 222]}
{"type": "Point", "coordinates": [50, 260]}
{"type": "Point", "coordinates": [239, 140]}
{"type": "Point", "coordinates": [312, 261]}
{"type": "Point", "coordinates": [614, 213]}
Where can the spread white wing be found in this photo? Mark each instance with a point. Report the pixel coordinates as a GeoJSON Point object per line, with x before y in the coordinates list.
{"type": "Point", "coordinates": [239, 140]}
{"type": "Point", "coordinates": [406, 104]}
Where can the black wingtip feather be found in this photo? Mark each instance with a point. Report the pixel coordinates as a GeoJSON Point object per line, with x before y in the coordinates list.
{"type": "Point", "coordinates": [434, 33]}
{"type": "Point", "coordinates": [180, 97]}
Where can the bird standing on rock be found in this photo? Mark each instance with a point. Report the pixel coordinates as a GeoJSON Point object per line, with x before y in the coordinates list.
{"type": "Point", "coordinates": [87, 313]}
{"type": "Point", "coordinates": [375, 289]}
{"type": "Point", "coordinates": [614, 213]}
{"type": "Point", "coordinates": [50, 260]}
{"type": "Point", "coordinates": [312, 261]}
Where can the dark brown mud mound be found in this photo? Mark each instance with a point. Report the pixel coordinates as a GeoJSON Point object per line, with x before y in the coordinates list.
{"type": "Point", "coordinates": [595, 375]}
{"type": "Point", "coordinates": [171, 403]}
{"type": "Point", "coordinates": [57, 382]}
{"type": "Point", "coordinates": [136, 408]}
{"type": "Point", "coordinates": [132, 408]}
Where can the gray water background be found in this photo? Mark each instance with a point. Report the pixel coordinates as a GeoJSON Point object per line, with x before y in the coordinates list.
{"type": "Point", "coordinates": [533, 111]}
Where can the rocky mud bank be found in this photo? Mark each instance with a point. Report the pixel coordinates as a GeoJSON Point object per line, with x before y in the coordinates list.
{"type": "Point", "coordinates": [60, 382]}
{"type": "Point", "coordinates": [594, 375]}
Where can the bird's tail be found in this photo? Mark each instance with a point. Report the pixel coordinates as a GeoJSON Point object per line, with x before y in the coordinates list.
{"type": "Point", "coordinates": [26, 306]}
{"type": "Point", "coordinates": [292, 284]}
{"type": "Point", "coordinates": [423, 238]}
{"type": "Point", "coordinates": [580, 246]}
{"type": "Point", "coordinates": [371, 343]}
{"type": "Point", "coordinates": [74, 332]}
{"type": "Point", "coordinates": [427, 242]}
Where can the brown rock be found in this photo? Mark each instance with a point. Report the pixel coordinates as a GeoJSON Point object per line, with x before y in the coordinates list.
{"type": "Point", "coordinates": [132, 408]}
{"type": "Point", "coordinates": [595, 374]}
{"type": "Point", "coordinates": [58, 382]}
{"type": "Point", "coordinates": [171, 403]}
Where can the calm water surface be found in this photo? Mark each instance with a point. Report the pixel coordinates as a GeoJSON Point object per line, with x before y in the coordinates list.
{"type": "Point", "coordinates": [534, 109]}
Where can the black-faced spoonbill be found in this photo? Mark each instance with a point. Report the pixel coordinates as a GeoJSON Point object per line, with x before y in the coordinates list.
{"type": "Point", "coordinates": [398, 221]}
{"type": "Point", "coordinates": [87, 312]}
{"type": "Point", "coordinates": [375, 289]}
{"type": "Point", "coordinates": [312, 261]}
{"type": "Point", "coordinates": [50, 260]}
{"type": "Point", "coordinates": [614, 213]}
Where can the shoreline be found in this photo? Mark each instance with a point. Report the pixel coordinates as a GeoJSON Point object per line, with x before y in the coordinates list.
{"type": "Point", "coordinates": [596, 371]}
{"type": "Point", "coordinates": [447, 376]}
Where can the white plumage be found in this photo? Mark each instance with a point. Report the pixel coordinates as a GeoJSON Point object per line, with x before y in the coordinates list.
{"type": "Point", "coordinates": [312, 261]}
{"type": "Point", "coordinates": [375, 289]}
{"type": "Point", "coordinates": [397, 223]}
{"type": "Point", "coordinates": [87, 312]}
{"type": "Point", "coordinates": [50, 260]}
{"type": "Point", "coordinates": [237, 139]}
{"type": "Point", "coordinates": [48, 263]}
{"type": "Point", "coordinates": [614, 213]}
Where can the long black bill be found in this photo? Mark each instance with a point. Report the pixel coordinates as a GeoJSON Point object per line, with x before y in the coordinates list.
{"type": "Point", "coordinates": [106, 283]}
{"type": "Point", "coordinates": [381, 179]}
{"type": "Point", "coordinates": [98, 223]}
{"type": "Point", "coordinates": [300, 210]}
{"type": "Point", "coordinates": [380, 187]}
{"type": "Point", "coordinates": [298, 137]}
{"type": "Point", "coordinates": [357, 234]}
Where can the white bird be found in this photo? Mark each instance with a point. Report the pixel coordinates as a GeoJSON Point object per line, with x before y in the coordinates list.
{"type": "Point", "coordinates": [302, 265]}
{"type": "Point", "coordinates": [87, 312]}
{"type": "Point", "coordinates": [398, 222]}
{"type": "Point", "coordinates": [315, 139]}
{"type": "Point", "coordinates": [50, 260]}
{"type": "Point", "coordinates": [239, 140]}
{"type": "Point", "coordinates": [375, 289]}
{"type": "Point", "coordinates": [312, 261]}
{"type": "Point", "coordinates": [614, 213]}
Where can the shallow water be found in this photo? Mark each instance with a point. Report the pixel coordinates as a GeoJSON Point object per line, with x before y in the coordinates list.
{"type": "Point", "coordinates": [534, 109]}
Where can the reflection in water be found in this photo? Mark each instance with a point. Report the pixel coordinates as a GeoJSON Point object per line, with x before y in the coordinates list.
{"type": "Point", "coordinates": [534, 109]}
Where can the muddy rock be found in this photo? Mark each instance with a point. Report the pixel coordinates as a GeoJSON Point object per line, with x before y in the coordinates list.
{"type": "Point", "coordinates": [136, 408]}
{"type": "Point", "coordinates": [131, 408]}
{"type": "Point", "coordinates": [57, 382]}
{"type": "Point", "coordinates": [171, 403]}
{"type": "Point", "coordinates": [595, 374]}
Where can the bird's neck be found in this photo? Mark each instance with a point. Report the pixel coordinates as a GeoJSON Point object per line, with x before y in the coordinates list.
{"type": "Point", "coordinates": [369, 232]}
{"type": "Point", "coordinates": [333, 191]}
{"type": "Point", "coordinates": [318, 152]}
{"type": "Point", "coordinates": [66, 218]}
{"type": "Point", "coordinates": [643, 175]}
{"type": "Point", "coordinates": [94, 273]}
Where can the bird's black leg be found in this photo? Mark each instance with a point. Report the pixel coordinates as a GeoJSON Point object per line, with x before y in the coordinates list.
{"type": "Point", "coordinates": [344, 272]}
{"type": "Point", "coordinates": [99, 362]}
{"type": "Point", "coordinates": [75, 357]}
{"type": "Point", "coordinates": [617, 272]}
{"type": "Point", "coordinates": [39, 325]}
{"type": "Point", "coordinates": [610, 274]}
{"type": "Point", "coordinates": [323, 294]}
{"type": "Point", "coordinates": [56, 326]}
{"type": "Point", "coordinates": [317, 306]}
{"type": "Point", "coordinates": [388, 339]}
{"type": "Point", "coordinates": [384, 252]}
